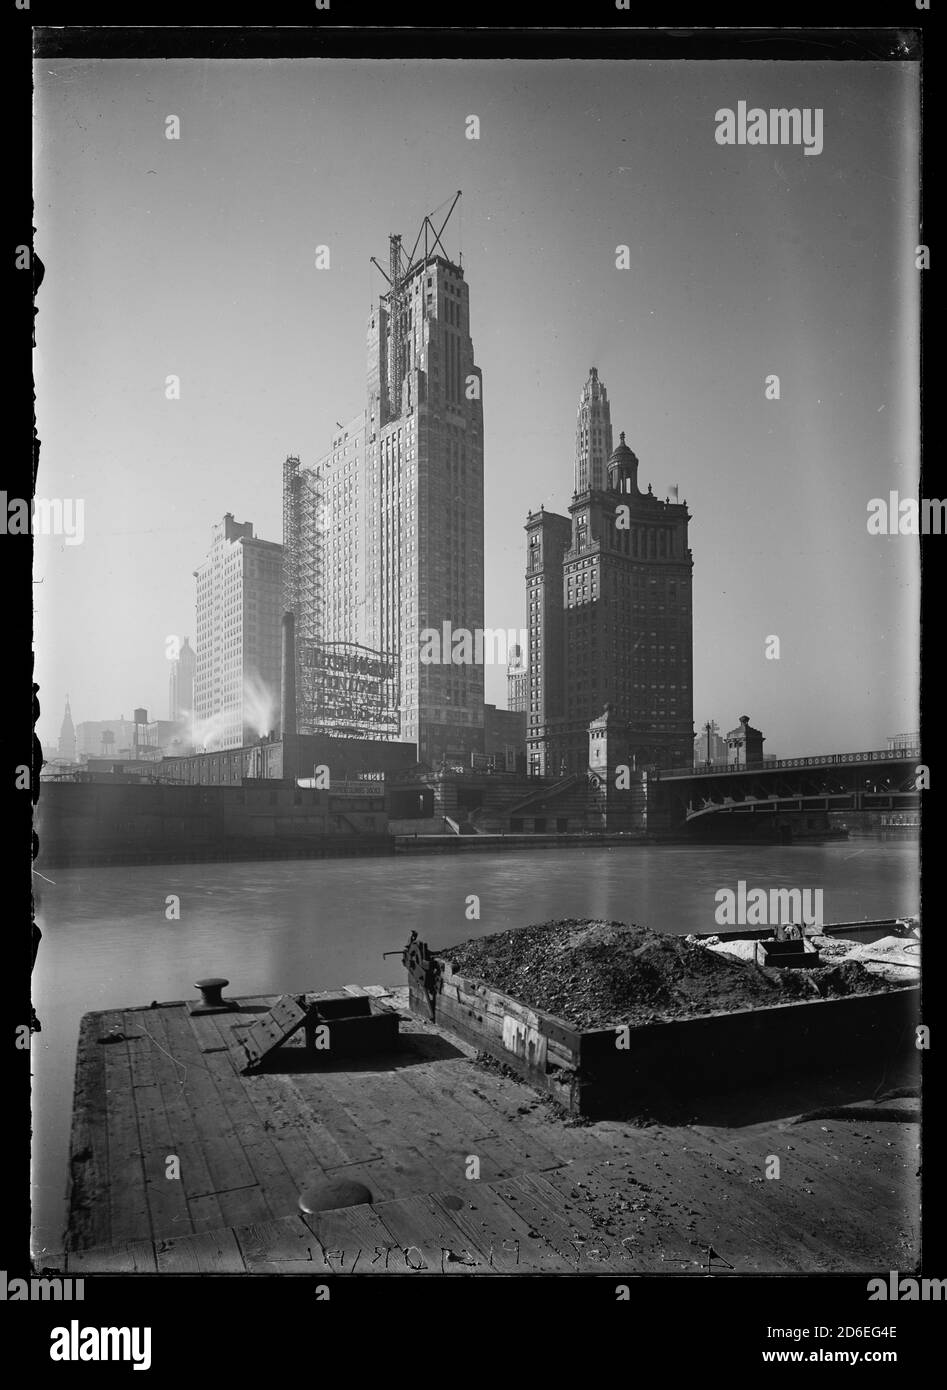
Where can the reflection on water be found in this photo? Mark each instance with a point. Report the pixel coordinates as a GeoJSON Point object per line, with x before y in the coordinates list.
{"type": "Point", "coordinates": [272, 928]}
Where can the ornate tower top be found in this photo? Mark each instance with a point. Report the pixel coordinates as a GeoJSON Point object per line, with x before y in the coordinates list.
{"type": "Point", "coordinates": [623, 469]}
{"type": "Point", "coordinates": [593, 435]}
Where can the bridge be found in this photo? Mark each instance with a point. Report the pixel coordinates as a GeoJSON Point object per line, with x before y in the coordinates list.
{"type": "Point", "coordinates": [877, 780]}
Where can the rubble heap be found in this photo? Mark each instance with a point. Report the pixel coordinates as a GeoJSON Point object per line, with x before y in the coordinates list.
{"type": "Point", "coordinates": [593, 974]}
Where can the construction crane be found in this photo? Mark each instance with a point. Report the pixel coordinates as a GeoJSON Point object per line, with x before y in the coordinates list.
{"type": "Point", "coordinates": [397, 275]}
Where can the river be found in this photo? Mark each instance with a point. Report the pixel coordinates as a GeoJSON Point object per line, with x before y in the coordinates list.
{"type": "Point", "coordinates": [281, 927]}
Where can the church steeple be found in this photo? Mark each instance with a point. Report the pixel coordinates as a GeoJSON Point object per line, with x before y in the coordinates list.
{"type": "Point", "coordinates": [593, 435]}
{"type": "Point", "coordinates": [67, 736]}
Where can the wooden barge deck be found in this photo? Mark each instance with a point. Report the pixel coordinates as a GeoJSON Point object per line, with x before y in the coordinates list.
{"type": "Point", "coordinates": [552, 1197]}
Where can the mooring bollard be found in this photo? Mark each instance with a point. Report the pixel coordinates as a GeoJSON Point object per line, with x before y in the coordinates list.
{"type": "Point", "coordinates": [211, 991]}
{"type": "Point", "coordinates": [211, 997]}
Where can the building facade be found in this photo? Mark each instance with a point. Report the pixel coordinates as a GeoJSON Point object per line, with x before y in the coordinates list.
{"type": "Point", "coordinates": [384, 534]}
{"type": "Point", "coordinates": [609, 613]}
{"type": "Point", "coordinates": [239, 611]}
{"type": "Point", "coordinates": [517, 681]}
{"type": "Point", "coordinates": [181, 683]}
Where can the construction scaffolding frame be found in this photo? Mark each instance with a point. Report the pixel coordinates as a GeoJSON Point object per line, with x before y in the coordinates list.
{"type": "Point", "coordinates": [302, 564]}
{"type": "Point", "coordinates": [400, 270]}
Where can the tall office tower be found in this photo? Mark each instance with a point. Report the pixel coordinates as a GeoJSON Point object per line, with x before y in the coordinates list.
{"type": "Point", "coordinates": [593, 435]}
{"type": "Point", "coordinates": [517, 681]}
{"type": "Point", "coordinates": [181, 683]}
{"type": "Point", "coordinates": [67, 737]}
{"type": "Point", "coordinates": [400, 551]}
{"type": "Point", "coordinates": [609, 594]}
{"type": "Point", "coordinates": [239, 612]}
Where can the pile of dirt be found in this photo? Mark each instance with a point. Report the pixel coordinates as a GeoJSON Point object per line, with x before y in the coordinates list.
{"type": "Point", "coordinates": [593, 974]}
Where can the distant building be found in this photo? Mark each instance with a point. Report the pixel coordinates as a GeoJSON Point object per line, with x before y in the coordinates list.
{"type": "Point", "coordinates": [608, 592]}
{"type": "Point", "coordinates": [517, 681]}
{"type": "Point", "coordinates": [709, 746]}
{"type": "Point", "coordinates": [744, 745]}
{"type": "Point", "coordinates": [181, 683]}
{"type": "Point", "coordinates": [896, 741]}
{"type": "Point", "coordinates": [66, 749]}
{"type": "Point", "coordinates": [239, 612]}
{"type": "Point", "coordinates": [504, 738]}
{"type": "Point", "coordinates": [125, 739]}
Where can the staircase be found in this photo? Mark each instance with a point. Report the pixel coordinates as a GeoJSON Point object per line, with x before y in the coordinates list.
{"type": "Point", "coordinates": [536, 802]}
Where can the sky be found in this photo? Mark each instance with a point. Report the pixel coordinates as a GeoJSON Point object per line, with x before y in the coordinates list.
{"type": "Point", "coordinates": [196, 257]}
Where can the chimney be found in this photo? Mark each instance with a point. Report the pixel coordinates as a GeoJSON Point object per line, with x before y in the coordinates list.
{"type": "Point", "coordinates": [288, 678]}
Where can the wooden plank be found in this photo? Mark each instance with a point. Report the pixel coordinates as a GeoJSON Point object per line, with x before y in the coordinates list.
{"type": "Point", "coordinates": [226, 1161]}
{"type": "Point", "coordinates": [495, 1001]}
{"type": "Point", "coordinates": [805, 1162]}
{"type": "Point", "coordinates": [129, 1216]}
{"type": "Point", "coordinates": [355, 1240]}
{"type": "Point", "coordinates": [316, 1092]}
{"type": "Point", "coordinates": [285, 1246]}
{"type": "Point", "coordinates": [88, 1222]}
{"type": "Point", "coordinates": [406, 1169]}
{"type": "Point", "coordinates": [166, 1197]}
{"type": "Point", "coordinates": [838, 1151]}
{"type": "Point", "coordinates": [407, 1119]}
{"type": "Point", "coordinates": [139, 1046]}
{"type": "Point", "coordinates": [234, 1183]}
{"type": "Point", "coordinates": [132, 1257]}
{"type": "Point", "coordinates": [585, 1233]}
{"type": "Point", "coordinates": [304, 1141]}
{"type": "Point", "coordinates": [214, 1252]}
{"type": "Point", "coordinates": [501, 1149]}
{"type": "Point", "coordinates": [512, 1110]}
{"type": "Point", "coordinates": [279, 1187]}
{"type": "Point", "coordinates": [430, 1240]}
{"type": "Point", "coordinates": [184, 1133]}
{"type": "Point", "coordinates": [751, 1214]}
{"type": "Point", "coordinates": [273, 1029]}
{"type": "Point", "coordinates": [495, 1228]}
{"type": "Point", "coordinates": [544, 1219]}
{"type": "Point", "coordinates": [209, 1036]}
{"type": "Point", "coordinates": [654, 1229]}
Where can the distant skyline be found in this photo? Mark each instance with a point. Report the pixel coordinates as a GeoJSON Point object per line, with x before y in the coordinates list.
{"type": "Point", "coordinates": [196, 257]}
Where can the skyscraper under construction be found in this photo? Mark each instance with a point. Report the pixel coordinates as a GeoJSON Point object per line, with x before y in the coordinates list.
{"type": "Point", "coordinates": [383, 535]}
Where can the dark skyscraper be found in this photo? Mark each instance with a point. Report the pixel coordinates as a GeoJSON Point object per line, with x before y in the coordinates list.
{"type": "Point", "coordinates": [609, 604]}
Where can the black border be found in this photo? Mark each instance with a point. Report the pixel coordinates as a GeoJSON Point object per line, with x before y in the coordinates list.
{"type": "Point", "coordinates": [212, 1324]}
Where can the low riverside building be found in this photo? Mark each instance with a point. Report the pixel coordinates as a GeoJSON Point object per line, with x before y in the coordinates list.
{"type": "Point", "coordinates": [290, 758]}
{"type": "Point", "coordinates": [103, 819]}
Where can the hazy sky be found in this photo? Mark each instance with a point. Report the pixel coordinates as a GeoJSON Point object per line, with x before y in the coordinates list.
{"type": "Point", "coordinates": [195, 257]}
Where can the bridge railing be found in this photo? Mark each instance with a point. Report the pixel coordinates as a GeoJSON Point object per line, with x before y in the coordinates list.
{"type": "Point", "coordinates": [887, 755]}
